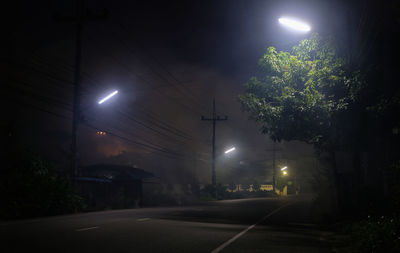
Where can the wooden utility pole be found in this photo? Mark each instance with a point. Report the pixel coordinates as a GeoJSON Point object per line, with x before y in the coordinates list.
{"type": "Point", "coordinates": [81, 17]}
{"type": "Point", "coordinates": [273, 166]}
{"type": "Point", "coordinates": [214, 120]}
{"type": "Point", "coordinates": [77, 90]}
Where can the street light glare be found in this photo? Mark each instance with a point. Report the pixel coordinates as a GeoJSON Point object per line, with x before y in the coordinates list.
{"type": "Point", "coordinates": [108, 97]}
{"type": "Point", "coordinates": [229, 150]}
{"type": "Point", "coordinates": [295, 24]}
{"type": "Point", "coordinates": [284, 168]}
{"type": "Point", "coordinates": [284, 172]}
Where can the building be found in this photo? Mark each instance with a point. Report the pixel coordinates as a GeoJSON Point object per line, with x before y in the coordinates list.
{"type": "Point", "coordinates": [108, 186]}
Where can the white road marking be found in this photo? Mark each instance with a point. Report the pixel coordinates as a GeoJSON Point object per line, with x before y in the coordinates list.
{"type": "Point", "coordinates": [84, 229]}
{"type": "Point", "coordinates": [303, 224]}
{"type": "Point", "coordinates": [143, 219]}
{"type": "Point", "coordinates": [224, 245]}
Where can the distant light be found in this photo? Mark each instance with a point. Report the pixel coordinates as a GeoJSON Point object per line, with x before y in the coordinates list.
{"type": "Point", "coordinates": [284, 168]}
{"type": "Point", "coordinates": [101, 133]}
{"type": "Point", "coordinates": [229, 150]}
{"type": "Point", "coordinates": [284, 172]}
{"type": "Point", "coordinates": [108, 97]}
{"type": "Point", "coordinates": [295, 24]}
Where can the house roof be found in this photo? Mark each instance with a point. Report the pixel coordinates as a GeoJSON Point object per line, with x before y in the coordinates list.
{"type": "Point", "coordinates": [94, 179]}
{"type": "Point", "coordinates": [115, 172]}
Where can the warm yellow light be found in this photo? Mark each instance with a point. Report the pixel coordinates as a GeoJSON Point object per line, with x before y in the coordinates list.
{"type": "Point", "coordinates": [284, 172]}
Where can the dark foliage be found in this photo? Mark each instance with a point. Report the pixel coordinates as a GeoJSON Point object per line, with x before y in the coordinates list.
{"type": "Point", "coordinates": [208, 193]}
{"type": "Point", "coordinates": [30, 187]}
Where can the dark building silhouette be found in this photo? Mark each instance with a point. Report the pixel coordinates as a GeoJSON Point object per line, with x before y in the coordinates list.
{"type": "Point", "coordinates": [112, 186]}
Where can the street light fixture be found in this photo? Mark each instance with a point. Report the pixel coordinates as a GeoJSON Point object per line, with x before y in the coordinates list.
{"type": "Point", "coordinates": [108, 97]}
{"type": "Point", "coordinates": [284, 173]}
{"type": "Point", "coordinates": [230, 150]}
{"type": "Point", "coordinates": [295, 24]}
{"type": "Point", "coordinates": [284, 168]}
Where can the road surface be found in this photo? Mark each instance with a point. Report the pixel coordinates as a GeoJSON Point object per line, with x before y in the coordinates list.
{"type": "Point", "coordinates": [248, 225]}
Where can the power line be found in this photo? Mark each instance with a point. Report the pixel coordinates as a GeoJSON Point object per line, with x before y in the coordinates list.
{"type": "Point", "coordinates": [191, 96]}
{"type": "Point", "coordinates": [174, 130]}
{"type": "Point", "coordinates": [42, 97]}
{"type": "Point", "coordinates": [28, 105]}
{"type": "Point", "coordinates": [147, 113]}
{"type": "Point", "coordinates": [170, 154]}
{"type": "Point", "coordinates": [163, 95]}
{"type": "Point", "coordinates": [132, 141]}
{"type": "Point", "coordinates": [174, 155]}
{"type": "Point", "coordinates": [130, 134]}
{"type": "Point", "coordinates": [55, 102]}
{"type": "Point", "coordinates": [148, 127]}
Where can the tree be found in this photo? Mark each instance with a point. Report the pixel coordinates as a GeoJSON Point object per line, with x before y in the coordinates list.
{"type": "Point", "coordinates": [31, 188]}
{"type": "Point", "coordinates": [302, 94]}
{"type": "Point", "coordinates": [306, 95]}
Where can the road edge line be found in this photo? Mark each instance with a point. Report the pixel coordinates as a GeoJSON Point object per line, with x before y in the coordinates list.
{"type": "Point", "coordinates": [227, 243]}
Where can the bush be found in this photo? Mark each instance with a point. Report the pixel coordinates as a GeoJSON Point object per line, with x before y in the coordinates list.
{"type": "Point", "coordinates": [32, 188]}
{"type": "Point", "coordinates": [375, 235]}
{"type": "Point", "coordinates": [208, 193]}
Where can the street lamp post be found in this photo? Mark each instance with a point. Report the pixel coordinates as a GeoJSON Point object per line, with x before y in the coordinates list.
{"type": "Point", "coordinates": [76, 122]}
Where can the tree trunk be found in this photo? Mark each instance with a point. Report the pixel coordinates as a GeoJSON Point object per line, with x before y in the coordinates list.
{"type": "Point", "coordinates": [358, 174]}
{"type": "Point", "coordinates": [335, 173]}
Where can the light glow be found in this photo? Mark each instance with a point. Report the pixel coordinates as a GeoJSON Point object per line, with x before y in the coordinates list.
{"type": "Point", "coordinates": [284, 172]}
{"type": "Point", "coordinates": [108, 97]}
{"type": "Point", "coordinates": [284, 168]}
{"type": "Point", "coordinates": [295, 24]}
{"type": "Point", "coordinates": [229, 150]}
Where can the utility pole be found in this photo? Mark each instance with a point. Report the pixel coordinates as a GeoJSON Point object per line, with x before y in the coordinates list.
{"type": "Point", "coordinates": [79, 19]}
{"type": "Point", "coordinates": [274, 149]}
{"type": "Point", "coordinates": [214, 120]}
{"type": "Point", "coordinates": [273, 166]}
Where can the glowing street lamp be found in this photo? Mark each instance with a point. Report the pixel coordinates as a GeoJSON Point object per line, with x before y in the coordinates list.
{"type": "Point", "coordinates": [230, 150]}
{"type": "Point", "coordinates": [284, 172]}
{"type": "Point", "coordinates": [108, 97]}
{"type": "Point", "coordinates": [295, 24]}
{"type": "Point", "coordinates": [284, 168]}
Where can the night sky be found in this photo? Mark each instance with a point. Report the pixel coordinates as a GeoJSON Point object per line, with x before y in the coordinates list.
{"type": "Point", "coordinates": [168, 60]}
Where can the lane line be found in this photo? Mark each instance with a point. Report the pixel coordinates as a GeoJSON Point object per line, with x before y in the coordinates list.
{"type": "Point", "coordinates": [303, 224]}
{"type": "Point", "coordinates": [143, 219]}
{"type": "Point", "coordinates": [225, 244]}
{"type": "Point", "coordinates": [84, 229]}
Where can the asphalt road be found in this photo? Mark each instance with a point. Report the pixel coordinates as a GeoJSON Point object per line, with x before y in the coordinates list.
{"type": "Point", "coordinates": [249, 225]}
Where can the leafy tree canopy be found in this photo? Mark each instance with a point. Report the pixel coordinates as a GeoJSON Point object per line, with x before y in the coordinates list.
{"type": "Point", "coordinates": [301, 92]}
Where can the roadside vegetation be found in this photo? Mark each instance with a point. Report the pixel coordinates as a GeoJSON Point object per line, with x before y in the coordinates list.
{"type": "Point", "coordinates": [30, 187]}
{"type": "Point", "coordinates": [208, 193]}
{"type": "Point", "coordinates": [378, 230]}
{"type": "Point", "coordinates": [347, 109]}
